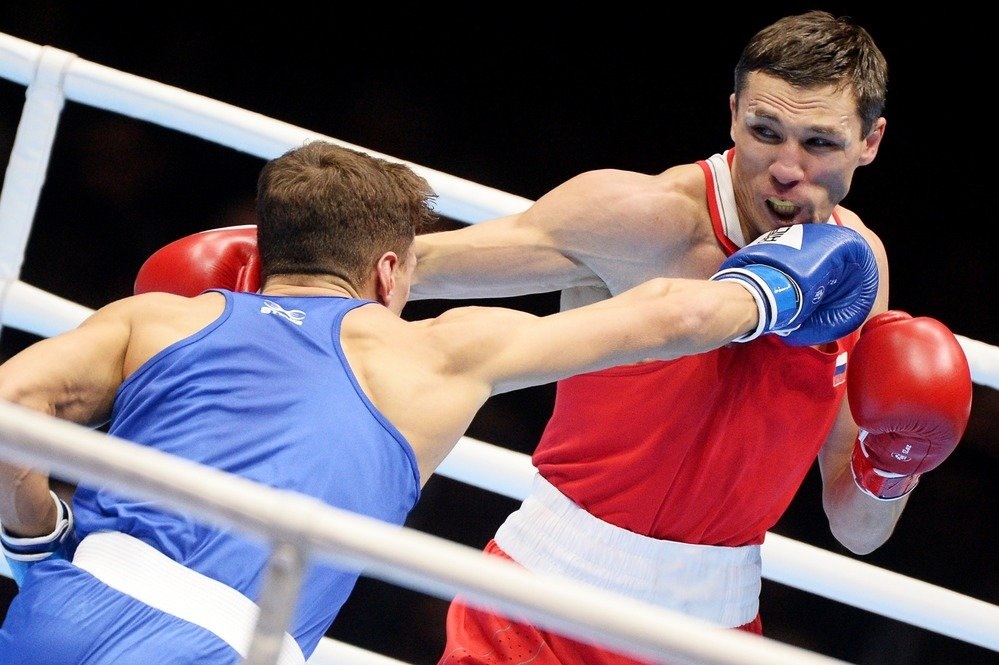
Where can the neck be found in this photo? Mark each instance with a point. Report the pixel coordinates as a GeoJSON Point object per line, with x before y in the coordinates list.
{"type": "Point", "coordinates": [311, 285]}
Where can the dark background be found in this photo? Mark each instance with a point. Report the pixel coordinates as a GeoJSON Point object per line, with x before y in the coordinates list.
{"type": "Point", "coordinates": [520, 103]}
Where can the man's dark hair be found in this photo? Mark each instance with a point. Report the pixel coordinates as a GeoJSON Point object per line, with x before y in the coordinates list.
{"type": "Point", "coordinates": [817, 48]}
{"type": "Point", "coordinates": [326, 209]}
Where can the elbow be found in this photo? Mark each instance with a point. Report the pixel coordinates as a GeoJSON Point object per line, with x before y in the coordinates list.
{"type": "Point", "coordinates": [856, 543]}
{"type": "Point", "coordinates": [7, 392]}
{"type": "Point", "coordinates": [863, 533]}
{"type": "Point", "coordinates": [14, 392]}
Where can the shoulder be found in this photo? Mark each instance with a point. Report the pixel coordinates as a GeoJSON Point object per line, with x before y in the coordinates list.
{"type": "Point", "coordinates": [631, 188]}
{"type": "Point", "coordinates": [454, 327]}
{"type": "Point", "coordinates": [464, 338]}
{"type": "Point", "coordinates": [157, 305]}
{"type": "Point", "coordinates": [152, 321]}
{"type": "Point", "coordinates": [448, 354]}
{"type": "Point", "coordinates": [851, 220]}
{"type": "Point", "coordinates": [635, 209]}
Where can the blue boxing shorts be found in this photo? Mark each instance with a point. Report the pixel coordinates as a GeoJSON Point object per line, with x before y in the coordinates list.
{"type": "Point", "coordinates": [123, 602]}
{"type": "Point", "coordinates": [63, 615]}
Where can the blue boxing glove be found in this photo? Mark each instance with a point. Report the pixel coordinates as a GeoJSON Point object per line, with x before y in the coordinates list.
{"type": "Point", "coordinates": [813, 283]}
{"type": "Point", "coordinates": [21, 553]}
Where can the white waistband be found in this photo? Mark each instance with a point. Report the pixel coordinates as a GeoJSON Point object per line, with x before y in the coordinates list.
{"type": "Point", "coordinates": [134, 568]}
{"type": "Point", "coordinates": [551, 534]}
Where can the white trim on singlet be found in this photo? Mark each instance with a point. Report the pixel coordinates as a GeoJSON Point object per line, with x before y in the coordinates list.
{"type": "Point", "coordinates": [725, 196]}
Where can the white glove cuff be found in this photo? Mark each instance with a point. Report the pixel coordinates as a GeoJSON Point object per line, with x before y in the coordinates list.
{"type": "Point", "coordinates": [36, 547]}
{"type": "Point", "coordinates": [750, 282]}
{"type": "Point", "coordinates": [880, 484]}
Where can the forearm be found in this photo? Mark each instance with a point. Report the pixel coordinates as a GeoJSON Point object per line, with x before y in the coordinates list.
{"type": "Point", "coordinates": [31, 379]}
{"type": "Point", "coordinates": [662, 319]}
{"type": "Point", "coordinates": [858, 521]}
{"type": "Point", "coordinates": [26, 507]}
{"type": "Point", "coordinates": [35, 524]}
{"type": "Point", "coordinates": [695, 316]}
{"type": "Point", "coordinates": [23, 551]}
{"type": "Point", "coordinates": [443, 268]}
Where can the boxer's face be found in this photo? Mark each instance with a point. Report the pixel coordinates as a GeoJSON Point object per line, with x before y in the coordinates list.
{"type": "Point", "coordinates": [796, 150]}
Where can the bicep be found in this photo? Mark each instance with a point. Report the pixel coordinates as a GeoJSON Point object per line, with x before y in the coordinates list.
{"type": "Point", "coordinates": [504, 257]}
{"type": "Point", "coordinates": [73, 375]}
{"type": "Point", "coordinates": [562, 241]}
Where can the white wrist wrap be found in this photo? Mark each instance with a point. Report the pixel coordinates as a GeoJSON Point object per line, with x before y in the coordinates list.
{"type": "Point", "coordinates": [880, 484]}
{"type": "Point", "coordinates": [34, 548]}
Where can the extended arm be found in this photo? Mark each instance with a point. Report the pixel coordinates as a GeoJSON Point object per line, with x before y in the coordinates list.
{"type": "Point", "coordinates": [808, 283]}
{"type": "Point", "coordinates": [568, 238]}
{"type": "Point", "coordinates": [499, 258]}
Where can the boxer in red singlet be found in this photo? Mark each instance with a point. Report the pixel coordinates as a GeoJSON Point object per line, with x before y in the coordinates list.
{"type": "Point", "coordinates": [659, 480]}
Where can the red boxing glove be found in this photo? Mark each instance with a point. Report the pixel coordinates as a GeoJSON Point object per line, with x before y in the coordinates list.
{"type": "Point", "coordinates": [223, 258]}
{"type": "Point", "coordinates": [909, 388]}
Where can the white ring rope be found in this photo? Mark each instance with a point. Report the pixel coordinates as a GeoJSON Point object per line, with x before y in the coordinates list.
{"type": "Point", "coordinates": [396, 554]}
{"type": "Point", "coordinates": [53, 76]}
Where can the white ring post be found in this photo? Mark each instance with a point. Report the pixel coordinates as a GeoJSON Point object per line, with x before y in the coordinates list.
{"type": "Point", "coordinates": [29, 161]}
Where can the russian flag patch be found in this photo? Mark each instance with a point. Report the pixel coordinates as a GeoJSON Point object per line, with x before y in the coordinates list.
{"type": "Point", "coordinates": [839, 374]}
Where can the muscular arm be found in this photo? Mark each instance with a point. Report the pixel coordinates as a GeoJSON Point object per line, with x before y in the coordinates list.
{"type": "Point", "coordinates": [72, 376]}
{"type": "Point", "coordinates": [660, 319]}
{"type": "Point", "coordinates": [502, 257]}
{"type": "Point", "coordinates": [608, 228]}
{"type": "Point", "coordinates": [468, 361]}
{"type": "Point", "coordinates": [458, 360]}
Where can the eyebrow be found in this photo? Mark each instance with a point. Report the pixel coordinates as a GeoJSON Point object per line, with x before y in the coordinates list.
{"type": "Point", "coordinates": [825, 130]}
